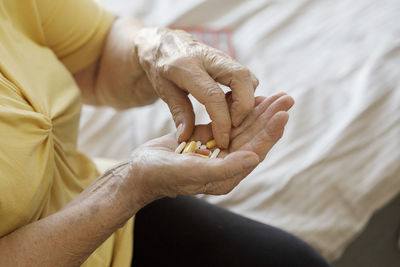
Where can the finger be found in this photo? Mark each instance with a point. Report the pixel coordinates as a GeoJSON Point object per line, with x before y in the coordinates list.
{"type": "Point", "coordinates": [249, 119]}
{"type": "Point", "coordinates": [283, 103]}
{"type": "Point", "coordinates": [265, 140]}
{"type": "Point", "coordinates": [257, 111]}
{"type": "Point", "coordinates": [241, 81]}
{"type": "Point", "coordinates": [181, 109]}
{"type": "Point", "coordinates": [266, 130]}
{"type": "Point", "coordinates": [258, 100]}
{"type": "Point", "coordinates": [255, 81]}
{"type": "Point", "coordinates": [207, 92]}
{"type": "Point", "coordinates": [276, 125]}
{"type": "Point", "coordinates": [229, 100]}
{"type": "Point", "coordinates": [257, 133]}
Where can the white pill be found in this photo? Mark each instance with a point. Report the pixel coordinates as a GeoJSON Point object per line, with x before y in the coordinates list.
{"type": "Point", "coordinates": [203, 147]}
{"type": "Point", "coordinates": [180, 147]}
{"type": "Point", "coordinates": [198, 144]}
{"type": "Point", "coordinates": [215, 153]}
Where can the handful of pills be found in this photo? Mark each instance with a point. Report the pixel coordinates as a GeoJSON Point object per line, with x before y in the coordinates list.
{"type": "Point", "coordinates": [209, 150]}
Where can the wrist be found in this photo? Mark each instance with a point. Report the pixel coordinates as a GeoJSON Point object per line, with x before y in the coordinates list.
{"type": "Point", "coordinates": [140, 181]}
{"type": "Point", "coordinates": [121, 81]}
{"type": "Point", "coordinates": [116, 195]}
{"type": "Point", "coordinates": [127, 190]}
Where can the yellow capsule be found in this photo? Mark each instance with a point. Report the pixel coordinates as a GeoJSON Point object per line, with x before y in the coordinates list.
{"type": "Point", "coordinates": [203, 156]}
{"type": "Point", "coordinates": [211, 144]}
{"type": "Point", "coordinates": [187, 144]}
{"type": "Point", "coordinates": [190, 147]}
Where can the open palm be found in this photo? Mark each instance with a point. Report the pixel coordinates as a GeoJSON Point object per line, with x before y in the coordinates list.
{"type": "Point", "coordinates": [166, 173]}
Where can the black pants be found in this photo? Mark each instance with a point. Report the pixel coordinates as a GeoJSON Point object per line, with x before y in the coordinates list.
{"type": "Point", "coordinates": [188, 232]}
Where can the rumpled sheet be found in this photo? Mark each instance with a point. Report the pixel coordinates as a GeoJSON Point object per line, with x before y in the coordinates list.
{"type": "Point", "coordinates": [339, 159]}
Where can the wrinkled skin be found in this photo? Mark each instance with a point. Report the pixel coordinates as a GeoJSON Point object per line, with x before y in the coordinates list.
{"type": "Point", "coordinates": [176, 65]}
{"type": "Point", "coordinates": [162, 172]}
{"type": "Point", "coordinates": [140, 64]}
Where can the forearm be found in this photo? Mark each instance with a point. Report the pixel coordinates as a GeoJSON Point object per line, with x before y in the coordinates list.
{"type": "Point", "coordinates": [69, 236]}
{"type": "Point", "coordinates": [117, 79]}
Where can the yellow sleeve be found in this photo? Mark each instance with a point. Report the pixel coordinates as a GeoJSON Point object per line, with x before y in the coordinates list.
{"type": "Point", "coordinates": [75, 30]}
{"type": "Point", "coordinates": [26, 153]}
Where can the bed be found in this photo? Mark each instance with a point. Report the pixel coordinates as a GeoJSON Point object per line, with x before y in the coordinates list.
{"type": "Point", "coordinates": [338, 162]}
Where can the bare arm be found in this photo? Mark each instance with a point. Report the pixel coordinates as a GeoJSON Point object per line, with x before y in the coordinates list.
{"type": "Point", "coordinates": [68, 237]}
{"type": "Point", "coordinates": [116, 79]}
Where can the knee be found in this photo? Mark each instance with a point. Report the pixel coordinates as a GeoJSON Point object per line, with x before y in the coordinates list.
{"type": "Point", "coordinates": [305, 255]}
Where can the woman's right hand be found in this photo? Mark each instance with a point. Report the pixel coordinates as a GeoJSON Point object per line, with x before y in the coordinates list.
{"type": "Point", "coordinates": [160, 172]}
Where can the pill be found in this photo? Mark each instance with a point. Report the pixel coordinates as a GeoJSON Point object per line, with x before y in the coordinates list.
{"type": "Point", "coordinates": [198, 144]}
{"type": "Point", "coordinates": [180, 147]}
{"type": "Point", "coordinates": [215, 153]}
{"type": "Point", "coordinates": [205, 152]}
{"type": "Point", "coordinates": [187, 144]}
{"type": "Point", "coordinates": [203, 147]}
{"type": "Point", "coordinates": [211, 144]}
{"type": "Point", "coordinates": [189, 148]}
{"type": "Point", "coordinates": [203, 156]}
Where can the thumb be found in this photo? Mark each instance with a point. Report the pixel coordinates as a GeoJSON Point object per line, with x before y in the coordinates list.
{"type": "Point", "coordinates": [181, 109]}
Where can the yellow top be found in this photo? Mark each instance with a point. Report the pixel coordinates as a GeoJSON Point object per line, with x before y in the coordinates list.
{"type": "Point", "coordinates": [41, 43]}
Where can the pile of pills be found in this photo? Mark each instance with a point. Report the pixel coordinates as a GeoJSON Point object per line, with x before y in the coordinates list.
{"type": "Point", "coordinates": [209, 150]}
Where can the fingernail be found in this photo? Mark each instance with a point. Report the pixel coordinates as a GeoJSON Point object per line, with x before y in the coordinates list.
{"type": "Point", "coordinates": [179, 130]}
{"type": "Point", "coordinates": [225, 140]}
{"type": "Point", "coordinates": [250, 162]}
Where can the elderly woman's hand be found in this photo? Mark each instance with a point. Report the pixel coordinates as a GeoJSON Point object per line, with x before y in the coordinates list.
{"type": "Point", "coordinates": [176, 65]}
{"type": "Point", "coordinates": [161, 172]}
{"type": "Point", "coordinates": [139, 63]}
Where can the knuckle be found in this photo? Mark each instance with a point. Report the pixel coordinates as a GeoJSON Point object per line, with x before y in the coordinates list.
{"type": "Point", "coordinates": [170, 67]}
{"type": "Point", "coordinates": [184, 63]}
{"type": "Point", "coordinates": [215, 95]}
{"type": "Point", "coordinates": [256, 82]}
{"type": "Point", "coordinates": [243, 106]}
{"type": "Point", "coordinates": [167, 68]}
{"type": "Point", "coordinates": [215, 58]}
{"type": "Point", "coordinates": [212, 58]}
{"type": "Point", "coordinates": [243, 73]}
{"type": "Point", "coordinates": [176, 110]}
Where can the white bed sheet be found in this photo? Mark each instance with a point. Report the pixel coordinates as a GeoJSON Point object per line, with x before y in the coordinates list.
{"type": "Point", "coordinates": [339, 159]}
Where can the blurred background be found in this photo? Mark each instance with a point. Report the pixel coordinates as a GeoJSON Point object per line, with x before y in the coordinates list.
{"type": "Point", "coordinates": [334, 178]}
